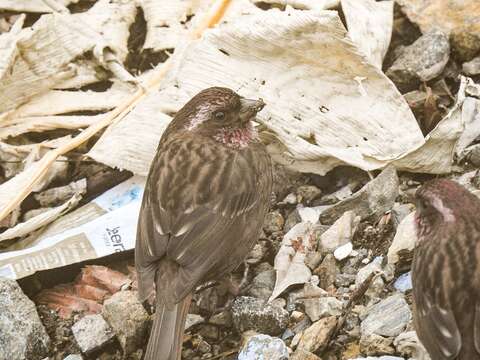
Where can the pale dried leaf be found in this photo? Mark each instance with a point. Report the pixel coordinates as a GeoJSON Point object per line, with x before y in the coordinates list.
{"type": "Point", "coordinates": [18, 126]}
{"type": "Point", "coordinates": [314, 80]}
{"type": "Point", "coordinates": [290, 260]}
{"type": "Point", "coordinates": [370, 25]}
{"type": "Point", "coordinates": [34, 6]}
{"type": "Point", "coordinates": [303, 4]}
{"type": "Point", "coordinates": [436, 156]}
{"type": "Point", "coordinates": [340, 233]}
{"type": "Point", "coordinates": [39, 221]}
{"type": "Point", "coordinates": [61, 102]}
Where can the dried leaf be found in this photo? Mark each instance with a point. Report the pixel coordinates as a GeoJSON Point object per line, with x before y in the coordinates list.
{"type": "Point", "coordinates": [370, 25]}
{"type": "Point", "coordinates": [289, 263]}
{"type": "Point", "coordinates": [313, 79]}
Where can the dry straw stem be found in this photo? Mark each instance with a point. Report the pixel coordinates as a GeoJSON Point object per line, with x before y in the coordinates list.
{"type": "Point", "coordinates": [36, 172]}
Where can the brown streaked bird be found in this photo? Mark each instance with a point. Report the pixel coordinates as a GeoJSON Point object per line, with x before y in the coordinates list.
{"type": "Point", "coordinates": [446, 272]}
{"type": "Point", "coordinates": [204, 204]}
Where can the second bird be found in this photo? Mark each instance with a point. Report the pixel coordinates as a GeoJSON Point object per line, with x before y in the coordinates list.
{"type": "Point", "coordinates": [446, 272]}
{"type": "Point", "coordinates": [204, 205]}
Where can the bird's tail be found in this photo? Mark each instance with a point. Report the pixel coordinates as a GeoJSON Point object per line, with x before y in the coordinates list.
{"type": "Point", "coordinates": [166, 338]}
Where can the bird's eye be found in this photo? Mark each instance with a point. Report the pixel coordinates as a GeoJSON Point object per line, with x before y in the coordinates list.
{"type": "Point", "coordinates": [422, 204]}
{"type": "Point", "coordinates": [219, 115]}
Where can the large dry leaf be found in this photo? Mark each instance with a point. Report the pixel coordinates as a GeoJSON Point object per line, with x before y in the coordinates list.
{"type": "Point", "coordinates": [34, 6]}
{"type": "Point", "coordinates": [452, 134]}
{"type": "Point", "coordinates": [325, 102]}
{"type": "Point", "coordinates": [370, 25]}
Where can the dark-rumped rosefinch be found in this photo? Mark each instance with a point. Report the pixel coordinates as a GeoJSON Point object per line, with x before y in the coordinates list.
{"type": "Point", "coordinates": [204, 205]}
{"type": "Point", "coordinates": [446, 272]}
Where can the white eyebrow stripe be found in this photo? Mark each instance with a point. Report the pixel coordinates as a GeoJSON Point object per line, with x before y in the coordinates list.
{"type": "Point", "coordinates": [201, 115]}
{"type": "Point", "coordinates": [446, 212]}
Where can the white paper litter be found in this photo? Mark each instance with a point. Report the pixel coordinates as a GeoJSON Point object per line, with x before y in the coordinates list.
{"type": "Point", "coordinates": [109, 228]}
{"type": "Point", "coordinates": [304, 66]}
{"type": "Point", "coordinates": [370, 25]}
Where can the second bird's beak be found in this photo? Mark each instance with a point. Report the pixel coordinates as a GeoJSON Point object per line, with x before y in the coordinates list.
{"type": "Point", "coordinates": [249, 108]}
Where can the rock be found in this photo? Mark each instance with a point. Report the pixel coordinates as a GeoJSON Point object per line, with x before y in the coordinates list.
{"type": "Point", "coordinates": [307, 193]}
{"type": "Point", "coordinates": [318, 308]}
{"type": "Point", "coordinates": [408, 345]}
{"type": "Point", "coordinates": [273, 222]}
{"type": "Point", "coordinates": [74, 357]}
{"type": "Point", "coordinates": [387, 357]}
{"type": "Point", "coordinates": [374, 267]}
{"type": "Point", "coordinates": [344, 280]}
{"type": "Point", "coordinates": [389, 317]}
{"type": "Point", "coordinates": [343, 251]}
{"type": "Point", "coordinates": [262, 285]}
{"type": "Point", "coordinates": [301, 354]}
{"type": "Point", "coordinates": [293, 219]}
{"type": "Point", "coordinates": [376, 345]}
{"type": "Point", "coordinates": [404, 282]}
{"type": "Point", "coordinates": [92, 333]}
{"type": "Point", "coordinates": [209, 331]}
{"type": "Point", "coordinates": [192, 320]}
{"type": "Point", "coordinates": [257, 253]}
{"type": "Point", "coordinates": [327, 271]}
{"type": "Point", "coordinates": [223, 318]}
{"type": "Point", "coordinates": [416, 99]}
{"type": "Point", "coordinates": [404, 240]}
{"type": "Point", "coordinates": [22, 335]}
{"type": "Point", "coordinates": [128, 318]}
{"type": "Point", "coordinates": [254, 314]}
{"type": "Point", "coordinates": [374, 199]}
{"type": "Point", "coordinates": [465, 44]}
{"type": "Point", "coordinates": [340, 233]}
{"type": "Point", "coordinates": [317, 336]}
{"type": "Point", "coordinates": [59, 195]}
{"type": "Point", "coordinates": [422, 61]}
{"type": "Point", "coordinates": [472, 67]}
{"type": "Point", "coordinates": [264, 347]}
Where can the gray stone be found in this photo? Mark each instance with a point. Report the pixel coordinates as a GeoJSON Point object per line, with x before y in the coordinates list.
{"type": "Point", "coordinates": [327, 271]}
{"type": "Point", "coordinates": [22, 335]}
{"type": "Point", "coordinates": [318, 308]}
{"type": "Point", "coordinates": [389, 317]}
{"type": "Point", "coordinates": [344, 280]}
{"type": "Point", "coordinates": [302, 354]}
{"type": "Point", "coordinates": [376, 345]}
{"type": "Point", "coordinates": [264, 347]}
{"type": "Point", "coordinates": [307, 193]}
{"type": "Point", "coordinates": [192, 320]}
{"type": "Point", "coordinates": [273, 222]}
{"type": "Point", "coordinates": [472, 67]}
{"type": "Point", "coordinates": [374, 199]}
{"type": "Point", "coordinates": [293, 219]}
{"type": "Point", "coordinates": [408, 345]}
{"type": "Point", "coordinates": [223, 318]}
{"type": "Point", "coordinates": [262, 285]}
{"type": "Point", "coordinates": [465, 44]}
{"type": "Point", "coordinates": [74, 357]}
{"type": "Point", "coordinates": [422, 61]}
{"type": "Point", "coordinates": [254, 314]}
{"type": "Point", "coordinates": [92, 333]}
{"type": "Point", "coordinates": [257, 253]}
{"type": "Point", "coordinates": [128, 318]}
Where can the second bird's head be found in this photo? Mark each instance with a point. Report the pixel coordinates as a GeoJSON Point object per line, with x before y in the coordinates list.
{"type": "Point", "coordinates": [218, 108]}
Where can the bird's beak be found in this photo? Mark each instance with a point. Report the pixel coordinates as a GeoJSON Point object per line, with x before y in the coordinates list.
{"type": "Point", "coordinates": [249, 108]}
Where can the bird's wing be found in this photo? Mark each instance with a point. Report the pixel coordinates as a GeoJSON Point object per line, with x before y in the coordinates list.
{"type": "Point", "coordinates": [197, 193]}
{"type": "Point", "coordinates": [436, 327]}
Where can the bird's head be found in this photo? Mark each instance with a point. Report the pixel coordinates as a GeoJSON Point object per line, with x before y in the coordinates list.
{"type": "Point", "coordinates": [443, 202]}
{"type": "Point", "coordinates": [221, 113]}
